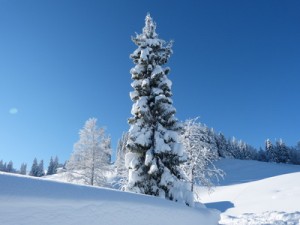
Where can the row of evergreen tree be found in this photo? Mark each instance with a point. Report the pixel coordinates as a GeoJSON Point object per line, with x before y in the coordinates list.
{"type": "Point", "coordinates": [279, 153]}
{"type": "Point", "coordinates": [37, 168]}
{"type": "Point", "coordinates": [8, 167]}
{"type": "Point", "coordinates": [232, 148]}
{"type": "Point", "coordinates": [238, 149]}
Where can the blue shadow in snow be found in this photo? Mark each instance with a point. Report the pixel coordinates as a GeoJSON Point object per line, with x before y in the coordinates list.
{"type": "Point", "coordinates": [221, 206]}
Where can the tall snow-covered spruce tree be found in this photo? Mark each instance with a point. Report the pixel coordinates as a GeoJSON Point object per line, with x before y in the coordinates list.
{"type": "Point", "coordinates": [154, 151]}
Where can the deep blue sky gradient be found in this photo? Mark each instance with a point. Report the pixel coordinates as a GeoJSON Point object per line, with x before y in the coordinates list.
{"type": "Point", "coordinates": [236, 64]}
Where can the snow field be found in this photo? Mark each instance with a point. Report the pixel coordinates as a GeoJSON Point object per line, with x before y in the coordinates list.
{"type": "Point", "coordinates": [33, 201]}
{"type": "Point", "coordinates": [253, 193]}
{"type": "Point", "coordinates": [256, 193]}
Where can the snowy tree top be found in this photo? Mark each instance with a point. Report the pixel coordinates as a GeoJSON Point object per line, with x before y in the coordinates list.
{"type": "Point", "coordinates": [151, 49]}
{"type": "Point", "coordinates": [150, 26]}
{"type": "Point", "coordinates": [149, 37]}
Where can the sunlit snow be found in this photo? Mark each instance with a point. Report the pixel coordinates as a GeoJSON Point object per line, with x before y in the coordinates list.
{"type": "Point", "coordinates": [29, 201]}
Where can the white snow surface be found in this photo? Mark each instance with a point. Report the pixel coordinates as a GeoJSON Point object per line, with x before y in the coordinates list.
{"type": "Point", "coordinates": [35, 201]}
{"type": "Point", "coordinates": [252, 193]}
{"type": "Point", "coordinates": [256, 193]}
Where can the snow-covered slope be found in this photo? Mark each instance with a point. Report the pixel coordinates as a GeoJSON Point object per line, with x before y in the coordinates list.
{"type": "Point", "coordinates": [29, 201]}
{"type": "Point", "coordinates": [252, 193]}
{"type": "Point", "coordinates": [243, 171]}
{"type": "Point", "coordinates": [256, 193]}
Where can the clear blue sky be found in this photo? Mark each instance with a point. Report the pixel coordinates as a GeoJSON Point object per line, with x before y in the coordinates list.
{"type": "Point", "coordinates": [236, 64]}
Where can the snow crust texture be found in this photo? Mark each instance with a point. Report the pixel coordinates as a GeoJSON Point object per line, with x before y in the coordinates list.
{"type": "Point", "coordinates": [266, 218]}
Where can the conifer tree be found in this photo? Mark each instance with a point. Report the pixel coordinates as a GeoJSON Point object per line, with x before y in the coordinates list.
{"type": "Point", "coordinates": [221, 143]}
{"type": "Point", "coordinates": [56, 164]}
{"type": "Point", "coordinates": [270, 151]}
{"type": "Point", "coordinates": [37, 169]}
{"type": "Point", "coordinates": [282, 152]}
{"type": "Point", "coordinates": [5, 167]}
{"type": "Point", "coordinates": [2, 168]}
{"type": "Point", "coordinates": [34, 168]}
{"type": "Point", "coordinates": [50, 167]}
{"type": "Point", "coordinates": [262, 155]}
{"type": "Point", "coordinates": [41, 171]}
{"type": "Point", "coordinates": [10, 167]}
{"type": "Point", "coordinates": [23, 169]}
{"type": "Point", "coordinates": [53, 165]}
{"type": "Point", "coordinates": [155, 153]}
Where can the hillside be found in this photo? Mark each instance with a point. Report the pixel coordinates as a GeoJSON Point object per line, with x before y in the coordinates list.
{"type": "Point", "coordinates": [252, 193]}
{"type": "Point", "coordinates": [256, 193]}
{"type": "Point", "coordinates": [32, 201]}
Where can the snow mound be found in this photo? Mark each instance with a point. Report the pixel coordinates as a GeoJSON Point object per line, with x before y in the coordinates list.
{"type": "Point", "coordinates": [35, 201]}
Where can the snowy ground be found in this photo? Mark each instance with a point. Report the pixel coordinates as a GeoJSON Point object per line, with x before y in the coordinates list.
{"type": "Point", "coordinates": [30, 201]}
{"type": "Point", "coordinates": [255, 193]}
